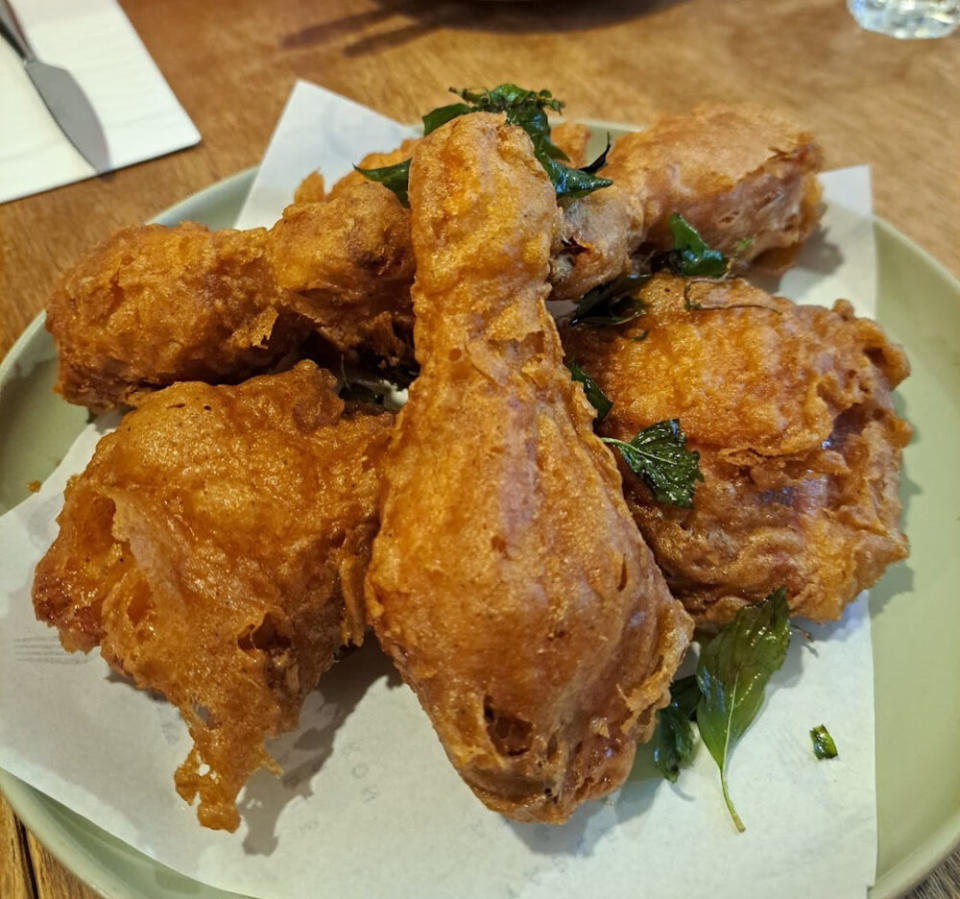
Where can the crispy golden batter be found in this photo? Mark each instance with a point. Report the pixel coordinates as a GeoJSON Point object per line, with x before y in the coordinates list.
{"type": "Point", "coordinates": [509, 582]}
{"type": "Point", "coordinates": [789, 407]}
{"type": "Point", "coordinates": [347, 263]}
{"type": "Point", "coordinates": [311, 190]}
{"type": "Point", "coordinates": [215, 549]}
{"type": "Point", "coordinates": [734, 171]}
{"type": "Point", "coordinates": [154, 305]}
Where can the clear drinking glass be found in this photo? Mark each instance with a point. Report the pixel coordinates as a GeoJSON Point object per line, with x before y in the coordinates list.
{"type": "Point", "coordinates": [907, 18]}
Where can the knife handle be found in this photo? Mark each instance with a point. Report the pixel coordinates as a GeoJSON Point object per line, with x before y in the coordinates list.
{"type": "Point", "coordinates": [11, 30]}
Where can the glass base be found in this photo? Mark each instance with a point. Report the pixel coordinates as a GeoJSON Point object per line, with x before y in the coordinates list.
{"type": "Point", "coordinates": [907, 18]}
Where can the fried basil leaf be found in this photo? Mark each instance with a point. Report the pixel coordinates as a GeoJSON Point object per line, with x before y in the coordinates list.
{"type": "Point", "coordinates": [443, 114]}
{"type": "Point", "coordinates": [568, 182]}
{"type": "Point", "coordinates": [823, 745]}
{"type": "Point", "coordinates": [733, 672]}
{"type": "Point", "coordinates": [658, 455]}
{"type": "Point", "coordinates": [673, 742]}
{"type": "Point", "coordinates": [691, 256]}
{"type": "Point", "coordinates": [522, 107]}
{"type": "Point", "coordinates": [598, 399]}
{"type": "Point", "coordinates": [394, 177]}
{"type": "Point", "coordinates": [613, 303]}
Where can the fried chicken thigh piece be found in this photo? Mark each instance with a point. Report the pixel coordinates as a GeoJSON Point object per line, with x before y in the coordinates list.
{"type": "Point", "coordinates": [155, 305]}
{"type": "Point", "coordinates": [789, 407]}
{"type": "Point", "coordinates": [508, 582]}
{"type": "Point", "coordinates": [736, 172]}
{"type": "Point", "coordinates": [346, 264]}
{"type": "Point", "coordinates": [215, 549]}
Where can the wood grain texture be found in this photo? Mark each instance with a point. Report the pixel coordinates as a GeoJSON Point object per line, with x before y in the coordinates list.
{"type": "Point", "coordinates": [870, 99]}
{"type": "Point", "coordinates": [943, 883]}
{"type": "Point", "coordinates": [16, 876]}
{"type": "Point", "coordinates": [52, 880]}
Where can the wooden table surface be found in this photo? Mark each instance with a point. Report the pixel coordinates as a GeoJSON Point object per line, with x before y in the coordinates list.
{"type": "Point", "coordinates": [870, 99]}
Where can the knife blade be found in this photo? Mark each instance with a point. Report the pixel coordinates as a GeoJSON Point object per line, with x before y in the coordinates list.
{"type": "Point", "coordinates": [71, 110]}
{"type": "Point", "coordinates": [63, 97]}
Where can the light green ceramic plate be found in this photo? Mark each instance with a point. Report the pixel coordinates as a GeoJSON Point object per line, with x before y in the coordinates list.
{"type": "Point", "coordinates": [914, 609]}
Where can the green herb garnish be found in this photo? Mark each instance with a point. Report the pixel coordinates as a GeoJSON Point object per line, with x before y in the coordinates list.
{"type": "Point", "coordinates": [598, 399]}
{"type": "Point", "coordinates": [616, 302]}
{"type": "Point", "coordinates": [823, 745]}
{"type": "Point", "coordinates": [658, 454]}
{"type": "Point", "coordinates": [691, 256]}
{"type": "Point", "coordinates": [613, 303]}
{"type": "Point", "coordinates": [443, 114]}
{"type": "Point", "coordinates": [733, 672]}
{"type": "Point", "coordinates": [528, 109]}
{"type": "Point", "coordinates": [395, 177]}
{"type": "Point", "coordinates": [524, 108]}
{"type": "Point", "coordinates": [673, 743]}
{"type": "Point", "coordinates": [568, 182]}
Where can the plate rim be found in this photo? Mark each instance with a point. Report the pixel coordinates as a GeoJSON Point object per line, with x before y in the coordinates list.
{"type": "Point", "coordinates": [32, 805]}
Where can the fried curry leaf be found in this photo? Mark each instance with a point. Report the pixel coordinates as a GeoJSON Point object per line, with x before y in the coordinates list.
{"type": "Point", "coordinates": [691, 256]}
{"type": "Point", "coordinates": [658, 454]}
{"type": "Point", "coordinates": [598, 399]}
{"type": "Point", "coordinates": [613, 303]}
{"type": "Point", "coordinates": [673, 742]}
{"type": "Point", "coordinates": [823, 745]}
{"type": "Point", "coordinates": [395, 177]}
{"type": "Point", "coordinates": [733, 672]}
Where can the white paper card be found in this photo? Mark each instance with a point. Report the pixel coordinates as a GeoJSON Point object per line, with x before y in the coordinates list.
{"type": "Point", "coordinates": [368, 804]}
{"type": "Point", "coordinates": [96, 43]}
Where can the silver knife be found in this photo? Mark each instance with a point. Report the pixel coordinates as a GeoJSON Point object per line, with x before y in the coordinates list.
{"type": "Point", "coordinates": [65, 99]}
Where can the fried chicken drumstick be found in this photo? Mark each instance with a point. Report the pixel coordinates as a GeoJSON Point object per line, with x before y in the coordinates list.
{"type": "Point", "coordinates": [789, 407]}
{"type": "Point", "coordinates": [215, 549]}
{"type": "Point", "coordinates": [508, 582]}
